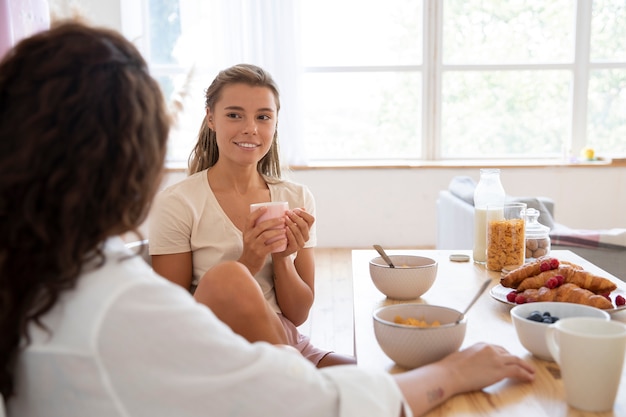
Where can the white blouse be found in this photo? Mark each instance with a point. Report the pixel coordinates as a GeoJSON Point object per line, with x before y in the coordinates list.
{"type": "Point", "coordinates": [126, 342]}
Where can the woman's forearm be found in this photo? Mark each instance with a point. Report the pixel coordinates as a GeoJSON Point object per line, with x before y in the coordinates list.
{"type": "Point", "coordinates": [294, 295]}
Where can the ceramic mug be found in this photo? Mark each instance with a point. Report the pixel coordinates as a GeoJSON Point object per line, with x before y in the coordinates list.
{"type": "Point", "coordinates": [274, 210]}
{"type": "Point", "coordinates": [590, 352]}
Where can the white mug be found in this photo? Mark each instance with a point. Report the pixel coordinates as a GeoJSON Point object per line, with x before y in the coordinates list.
{"type": "Point", "coordinates": [274, 209]}
{"type": "Point", "coordinates": [590, 352]}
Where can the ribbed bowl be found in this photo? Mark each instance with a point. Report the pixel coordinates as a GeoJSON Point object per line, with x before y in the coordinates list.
{"type": "Point", "coordinates": [410, 346]}
{"type": "Point", "coordinates": [410, 279]}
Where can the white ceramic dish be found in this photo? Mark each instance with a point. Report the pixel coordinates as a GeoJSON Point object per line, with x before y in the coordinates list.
{"type": "Point", "coordinates": [411, 346]}
{"type": "Point", "coordinates": [532, 334]}
{"type": "Point", "coordinates": [410, 279]}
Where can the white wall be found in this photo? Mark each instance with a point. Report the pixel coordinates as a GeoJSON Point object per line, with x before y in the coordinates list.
{"type": "Point", "coordinates": [397, 207]}
{"type": "Point", "coordinates": [99, 12]}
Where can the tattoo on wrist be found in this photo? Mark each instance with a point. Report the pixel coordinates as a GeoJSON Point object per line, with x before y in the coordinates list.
{"type": "Point", "coordinates": [435, 395]}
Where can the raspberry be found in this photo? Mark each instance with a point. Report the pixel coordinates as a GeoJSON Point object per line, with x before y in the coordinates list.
{"type": "Point", "coordinates": [520, 299]}
{"type": "Point", "coordinates": [620, 301]}
{"type": "Point", "coordinates": [606, 295]}
{"type": "Point", "coordinates": [544, 266]}
{"type": "Point", "coordinates": [510, 297]}
{"type": "Point", "coordinates": [553, 282]}
{"type": "Point", "coordinates": [554, 263]}
{"type": "Point", "coordinates": [560, 279]}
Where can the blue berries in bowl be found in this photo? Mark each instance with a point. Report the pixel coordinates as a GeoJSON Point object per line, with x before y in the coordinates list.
{"type": "Point", "coordinates": [532, 319]}
{"type": "Point", "coordinates": [544, 317]}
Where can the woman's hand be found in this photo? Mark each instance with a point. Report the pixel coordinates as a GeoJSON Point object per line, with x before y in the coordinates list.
{"type": "Point", "coordinates": [470, 369]}
{"type": "Point", "coordinates": [255, 238]}
{"type": "Point", "coordinates": [482, 364]}
{"type": "Point", "coordinates": [298, 224]}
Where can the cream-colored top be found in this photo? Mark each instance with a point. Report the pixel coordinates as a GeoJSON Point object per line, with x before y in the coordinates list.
{"type": "Point", "coordinates": [186, 217]}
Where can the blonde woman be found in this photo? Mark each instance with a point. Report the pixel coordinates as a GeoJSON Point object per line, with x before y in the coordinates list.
{"type": "Point", "coordinates": [205, 219]}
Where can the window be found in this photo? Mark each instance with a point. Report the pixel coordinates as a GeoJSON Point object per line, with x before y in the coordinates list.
{"type": "Point", "coordinates": [379, 81]}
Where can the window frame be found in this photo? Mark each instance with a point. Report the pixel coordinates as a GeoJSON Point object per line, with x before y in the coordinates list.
{"type": "Point", "coordinates": [135, 13]}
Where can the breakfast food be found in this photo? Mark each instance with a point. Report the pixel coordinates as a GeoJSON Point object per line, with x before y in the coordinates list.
{"type": "Point", "coordinates": [410, 321]}
{"type": "Point", "coordinates": [513, 278]}
{"type": "Point", "coordinates": [505, 243]}
{"type": "Point", "coordinates": [544, 317]}
{"type": "Point", "coordinates": [549, 279]}
{"type": "Point", "coordinates": [537, 248]}
{"type": "Point", "coordinates": [584, 279]}
{"type": "Point", "coordinates": [570, 293]}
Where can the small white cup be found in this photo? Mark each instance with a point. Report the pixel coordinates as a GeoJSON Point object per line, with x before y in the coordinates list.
{"type": "Point", "coordinates": [275, 209]}
{"type": "Point", "coordinates": [590, 352]}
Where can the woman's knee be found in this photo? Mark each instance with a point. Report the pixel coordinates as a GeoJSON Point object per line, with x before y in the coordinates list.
{"type": "Point", "coordinates": [228, 283]}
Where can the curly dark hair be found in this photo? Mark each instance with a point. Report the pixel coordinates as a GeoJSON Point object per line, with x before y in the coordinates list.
{"type": "Point", "coordinates": [83, 137]}
{"type": "Point", "coordinates": [206, 153]}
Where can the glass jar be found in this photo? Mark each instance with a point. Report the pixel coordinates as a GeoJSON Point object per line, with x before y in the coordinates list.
{"type": "Point", "coordinates": [537, 236]}
{"type": "Point", "coordinates": [488, 192]}
{"type": "Point", "coordinates": [505, 236]}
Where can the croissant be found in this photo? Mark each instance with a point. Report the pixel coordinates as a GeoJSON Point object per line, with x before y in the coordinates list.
{"type": "Point", "coordinates": [568, 263]}
{"type": "Point", "coordinates": [589, 281]}
{"type": "Point", "coordinates": [569, 293]}
{"type": "Point", "coordinates": [540, 280]}
{"type": "Point", "coordinates": [583, 279]}
{"type": "Point", "coordinates": [516, 276]}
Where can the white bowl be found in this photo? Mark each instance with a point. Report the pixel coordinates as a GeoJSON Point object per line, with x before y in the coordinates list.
{"type": "Point", "coordinates": [410, 346]}
{"type": "Point", "coordinates": [532, 334]}
{"type": "Point", "coordinates": [410, 279]}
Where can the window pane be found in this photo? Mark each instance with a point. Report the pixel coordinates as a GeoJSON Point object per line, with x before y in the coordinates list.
{"type": "Point", "coordinates": [607, 111]}
{"type": "Point", "coordinates": [164, 30]}
{"type": "Point", "coordinates": [362, 115]}
{"type": "Point", "coordinates": [608, 31]}
{"type": "Point", "coordinates": [184, 132]}
{"type": "Point", "coordinates": [505, 113]}
{"type": "Point", "coordinates": [361, 32]}
{"type": "Point", "coordinates": [523, 31]}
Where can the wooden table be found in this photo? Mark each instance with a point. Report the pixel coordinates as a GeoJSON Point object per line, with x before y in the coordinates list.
{"type": "Point", "coordinates": [488, 321]}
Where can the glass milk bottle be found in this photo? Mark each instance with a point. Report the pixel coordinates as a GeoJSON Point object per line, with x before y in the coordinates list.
{"type": "Point", "coordinates": [488, 192]}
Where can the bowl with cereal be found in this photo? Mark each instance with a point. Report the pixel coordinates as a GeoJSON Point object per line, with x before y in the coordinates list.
{"type": "Point", "coordinates": [532, 319]}
{"type": "Point", "coordinates": [410, 278]}
{"type": "Point", "coordinates": [413, 335]}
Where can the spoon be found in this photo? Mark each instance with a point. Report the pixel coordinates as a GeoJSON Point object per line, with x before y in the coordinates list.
{"type": "Point", "coordinates": [480, 291]}
{"type": "Point", "coordinates": [382, 253]}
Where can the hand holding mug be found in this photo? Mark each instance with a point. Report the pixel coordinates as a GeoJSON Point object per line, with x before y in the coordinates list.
{"type": "Point", "coordinates": [273, 210]}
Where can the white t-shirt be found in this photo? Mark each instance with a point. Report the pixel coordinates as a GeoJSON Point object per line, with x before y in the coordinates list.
{"type": "Point", "coordinates": [186, 217]}
{"type": "Point", "coordinates": [126, 342]}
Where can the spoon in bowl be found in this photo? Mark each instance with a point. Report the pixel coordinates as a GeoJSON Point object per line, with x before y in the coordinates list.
{"type": "Point", "coordinates": [382, 253]}
{"type": "Point", "coordinates": [480, 291]}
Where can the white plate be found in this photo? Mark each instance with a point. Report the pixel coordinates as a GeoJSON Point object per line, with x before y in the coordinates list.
{"type": "Point", "coordinates": [499, 292]}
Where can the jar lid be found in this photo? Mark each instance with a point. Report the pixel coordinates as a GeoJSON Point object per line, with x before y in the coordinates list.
{"type": "Point", "coordinates": [534, 229]}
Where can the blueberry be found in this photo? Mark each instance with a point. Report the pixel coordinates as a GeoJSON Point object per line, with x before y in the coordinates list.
{"type": "Point", "coordinates": [544, 317]}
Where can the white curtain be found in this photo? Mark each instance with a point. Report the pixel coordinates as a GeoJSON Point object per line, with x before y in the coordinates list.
{"type": "Point", "coordinates": [270, 40]}
{"type": "Point", "coordinates": [264, 33]}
